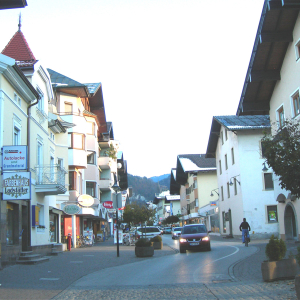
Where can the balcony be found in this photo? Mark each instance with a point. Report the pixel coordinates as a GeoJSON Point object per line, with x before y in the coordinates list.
{"type": "Point", "coordinates": [50, 179]}
{"type": "Point", "coordinates": [105, 184]}
{"type": "Point", "coordinates": [104, 162]}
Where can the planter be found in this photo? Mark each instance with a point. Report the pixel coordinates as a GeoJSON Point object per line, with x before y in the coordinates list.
{"type": "Point", "coordinates": [144, 251]}
{"type": "Point", "coordinates": [157, 245]}
{"type": "Point", "coordinates": [297, 286]}
{"type": "Point", "coordinates": [282, 269]}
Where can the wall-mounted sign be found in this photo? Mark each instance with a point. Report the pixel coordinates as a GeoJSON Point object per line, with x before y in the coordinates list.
{"type": "Point", "coordinates": [16, 186]}
{"type": "Point", "coordinates": [71, 209]}
{"type": "Point", "coordinates": [108, 204]}
{"type": "Point", "coordinates": [14, 158]}
{"type": "Point", "coordinates": [85, 200]}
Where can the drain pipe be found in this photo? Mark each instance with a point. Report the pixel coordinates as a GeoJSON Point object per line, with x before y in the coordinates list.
{"type": "Point", "coordinates": [28, 169]}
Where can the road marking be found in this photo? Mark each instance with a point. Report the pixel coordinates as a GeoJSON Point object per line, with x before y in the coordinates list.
{"type": "Point", "coordinates": [49, 279]}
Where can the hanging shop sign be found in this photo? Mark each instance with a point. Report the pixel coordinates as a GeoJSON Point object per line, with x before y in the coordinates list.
{"type": "Point", "coordinates": [14, 158]}
{"type": "Point", "coordinates": [85, 200]}
{"type": "Point", "coordinates": [71, 209]}
{"type": "Point", "coordinates": [16, 186]}
{"type": "Point", "coordinates": [108, 204]}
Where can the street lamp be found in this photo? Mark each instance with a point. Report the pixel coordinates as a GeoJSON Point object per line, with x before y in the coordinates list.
{"type": "Point", "coordinates": [215, 190]}
{"type": "Point", "coordinates": [116, 189]}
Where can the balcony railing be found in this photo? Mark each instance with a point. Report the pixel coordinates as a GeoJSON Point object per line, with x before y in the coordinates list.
{"type": "Point", "coordinates": [50, 179]}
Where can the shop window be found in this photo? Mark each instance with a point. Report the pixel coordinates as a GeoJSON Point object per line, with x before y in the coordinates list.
{"type": "Point", "coordinates": [272, 214]}
{"type": "Point", "coordinates": [12, 223]}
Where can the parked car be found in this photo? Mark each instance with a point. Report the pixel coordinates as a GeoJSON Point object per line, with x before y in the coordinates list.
{"type": "Point", "coordinates": [194, 237]}
{"type": "Point", "coordinates": [168, 230]}
{"type": "Point", "coordinates": [148, 231]}
{"type": "Point", "coordinates": [176, 231]}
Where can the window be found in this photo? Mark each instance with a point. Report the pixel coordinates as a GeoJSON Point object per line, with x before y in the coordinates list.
{"type": "Point", "coordinates": [91, 158]}
{"type": "Point", "coordinates": [220, 167]}
{"type": "Point", "coordinates": [228, 190]}
{"type": "Point", "coordinates": [17, 99]}
{"type": "Point", "coordinates": [90, 128]}
{"type": "Point", "coordinates": [91, 188]}
{"type": "Point", "coordinates": [226, 164]}
{"type": "Point", "coordinates": [40, 104]}
{"type": "Point", "coordinates": [296, 104]}
{"type": "Point", "coordinates": [297, 50]}
{"type": "Point", "coordinates": [235, 186]}
{"type": "Point", "coordinates": [76, 141]}
{"type": "Point", "coordinates": [268, 181]}
{"type": "Point", "coordinates": [222, 138]}
{"type": "Point", "coordinates": [226, 135]}
{"type": "Point", "coordinates": [232, 156]}
{"type": "Point", "coordinates": [68, 108]}
{"type": "Point", "coordinates": [222, 193]}
{"type": "Point", "coordinates": [17, 136]}
{"type": "Point", "coordinates": [272, 214]}
{"type": "Point", "coordinates": [72, 181]}
{"type": "Point", "coordinates": [280, 116]}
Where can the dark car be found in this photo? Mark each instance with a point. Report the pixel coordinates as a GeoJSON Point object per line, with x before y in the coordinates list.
{"type": "Point", "coordinates": [194, 237]}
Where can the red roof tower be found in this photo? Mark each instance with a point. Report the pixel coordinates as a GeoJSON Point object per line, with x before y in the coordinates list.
{"type": "Point", "coordinates": [18, 49]}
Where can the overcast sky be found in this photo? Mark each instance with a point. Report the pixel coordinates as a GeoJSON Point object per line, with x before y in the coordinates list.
{"type": "Point", "coordinates": [166, 66]}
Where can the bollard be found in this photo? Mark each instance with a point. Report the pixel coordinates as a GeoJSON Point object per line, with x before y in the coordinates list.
{"type": "Point", "coordinates": [69, 241]}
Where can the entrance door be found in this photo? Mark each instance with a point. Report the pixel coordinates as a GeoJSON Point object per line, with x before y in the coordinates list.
{"type": "Point", "coordinates": [24, 228]}
{"type": "Point", "coordinates": [290, 223]}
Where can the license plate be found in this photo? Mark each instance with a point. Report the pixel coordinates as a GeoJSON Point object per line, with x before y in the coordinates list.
{"type": "Point", "coordinates": [194, 244]}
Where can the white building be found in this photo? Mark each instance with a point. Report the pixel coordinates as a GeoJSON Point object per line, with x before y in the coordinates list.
{"type": "Point", "coordinates": [245, 191]}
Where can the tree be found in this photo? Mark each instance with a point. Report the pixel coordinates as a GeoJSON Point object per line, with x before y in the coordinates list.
{"type": "Point", "coordinates": [134, 214]}
{"type": "Point", "coordinates": [282, 153]}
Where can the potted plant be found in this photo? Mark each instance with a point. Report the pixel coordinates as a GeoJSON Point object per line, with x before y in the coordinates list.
{"type": "Point", "coordinates": [157, 242]}
{"type": "Point", "coordinates": [143, 248]}
{"type": "Point", "coordinates": [297, 277]}
{"type": "Point", "coordinates": [277, 267]}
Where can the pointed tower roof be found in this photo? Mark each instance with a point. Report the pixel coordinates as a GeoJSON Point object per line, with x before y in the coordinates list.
{"type": "Point", "coordinates": [18, 49]}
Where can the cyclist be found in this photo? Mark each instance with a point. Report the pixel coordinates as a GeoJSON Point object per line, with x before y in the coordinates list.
{"type": "Point", "coordinates": [245, 227]}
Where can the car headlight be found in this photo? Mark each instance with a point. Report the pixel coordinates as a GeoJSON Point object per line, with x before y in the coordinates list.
{"type": "Point", "coordinates": [182, 240]}
{"type": "Point", "coordinates": [205, 238]}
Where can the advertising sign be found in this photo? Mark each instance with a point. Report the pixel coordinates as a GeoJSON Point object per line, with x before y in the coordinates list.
{"type": "Point", "coordinates": [14, 158]}
{"type": "Point", "coordinates": [108, 204]}
{"type": "Point", "coordinates": [85, 200]}
{"type": "Point", "coordinates": [71, 209]}
{"type": "Point", "coordinates": [16, 186]}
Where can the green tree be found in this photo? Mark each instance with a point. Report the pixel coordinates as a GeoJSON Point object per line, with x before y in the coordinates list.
{"type": "Point", "coordinates": [282, 153]}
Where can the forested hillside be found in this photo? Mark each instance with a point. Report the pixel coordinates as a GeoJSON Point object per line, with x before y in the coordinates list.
{"type": "Point", "coordinates": [146, 187]}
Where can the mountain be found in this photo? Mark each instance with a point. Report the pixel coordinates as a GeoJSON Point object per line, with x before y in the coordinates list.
{"type": "Point", "coordinates": [146, 187]}
{"type": "Point", "coordinates": [159, 178]}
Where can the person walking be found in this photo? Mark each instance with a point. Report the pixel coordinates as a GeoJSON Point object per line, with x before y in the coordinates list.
{"type": "Point", "coordinates": [245, 227]}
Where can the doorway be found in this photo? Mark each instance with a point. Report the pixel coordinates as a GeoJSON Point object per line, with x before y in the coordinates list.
{"type": "Point", "coordinates": [290, 223]}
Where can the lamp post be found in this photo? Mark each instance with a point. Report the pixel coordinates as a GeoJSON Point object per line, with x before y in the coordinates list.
{"type": "Point", "coordinates": [116, 189]}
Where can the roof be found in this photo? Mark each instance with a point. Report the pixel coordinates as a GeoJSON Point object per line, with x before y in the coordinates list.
{"type": "Point", "coordinates": [233, 123]}
{"type": "Point", "coordinates": [18, 49]}
{"type": "Point", "coordinates": [6, 4]}
{"type": "Point", "coordinates": [273, 37]}
{"type": "Point", "coordinates": [193, 163]}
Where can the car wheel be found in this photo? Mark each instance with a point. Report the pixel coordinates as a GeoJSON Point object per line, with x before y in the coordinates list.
{"type": "Point", "coordinates": [182, 250]}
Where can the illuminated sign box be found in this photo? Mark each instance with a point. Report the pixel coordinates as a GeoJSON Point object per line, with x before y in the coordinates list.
{"type": "Point", "coordinates": [14, 158]}
{"type": "Point", "coordinates": [16, 186]}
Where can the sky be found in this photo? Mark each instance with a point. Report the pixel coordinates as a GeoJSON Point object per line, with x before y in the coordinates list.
{"type": "Point", "coordinates": [166, 66]}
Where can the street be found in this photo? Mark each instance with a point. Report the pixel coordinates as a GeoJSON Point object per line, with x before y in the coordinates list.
{"type": "Point", "coordinates": [96, 273]}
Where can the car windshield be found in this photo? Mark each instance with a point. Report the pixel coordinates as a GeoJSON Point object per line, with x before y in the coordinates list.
{"type": "Point", "coordinates": [148, 229]}
{"type": "Point", "coordinates": [194, 229]}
